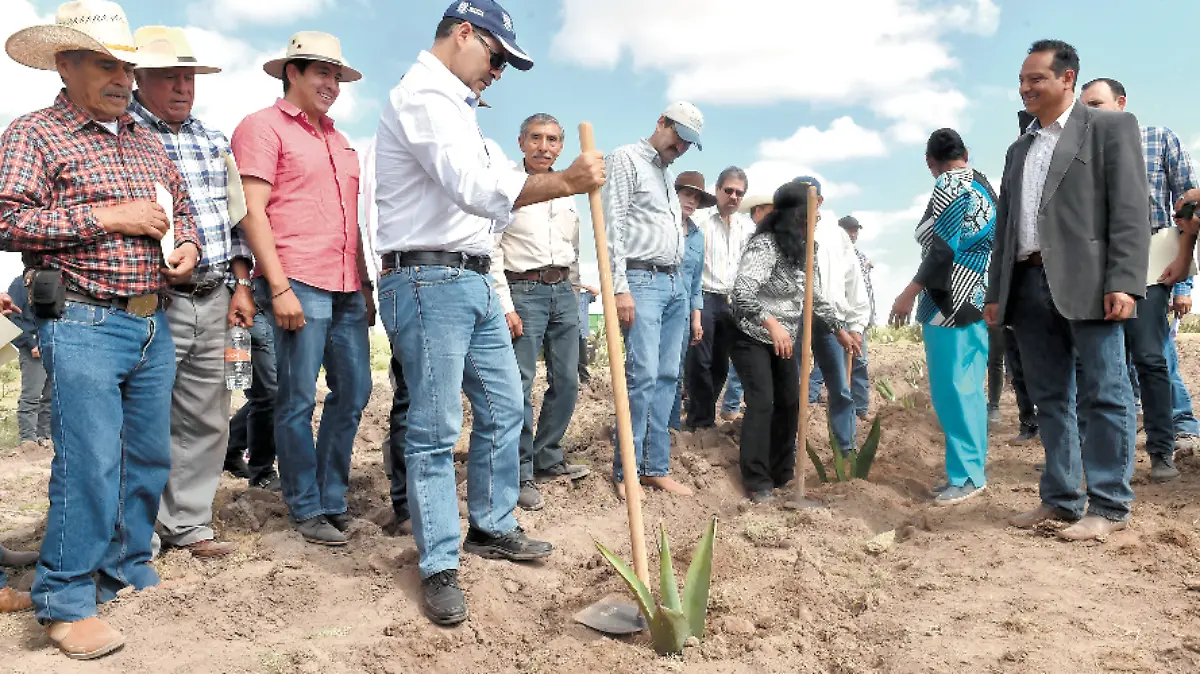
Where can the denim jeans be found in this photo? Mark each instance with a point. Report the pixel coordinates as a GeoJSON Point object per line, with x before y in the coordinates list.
{"type": "Point", "coordinates": [315, 475]}
{"type": "Point", "coordinates": [653, 351]}
{"type": "Point", "coordinates": [831, 358]}
{"type": "Point", "coordinates": [860, 383]}
{"type": "Point", "coordinates": [111, 374]}
{"type": "Point", "coordinates": [253, 425]}
{"type": "Point", "coordinates": [448, 328]}
{"type": "Point", "coordinates": [1026, 412]}
{"type": "Point", "coordinates": [1181, 401]}
{"type": "Point", "coordinates": [1145, 336]}
{"type": "Point", "coordinates": [732, 402]}
{"type": "Point", "coordinates": [33, 407]}
{"type": "Point", "coordinates": [394, 464]}
{"type": "Point", "coordinates": [550, 316]}
{"type": "Point", "coordinates": [1105, 456]}
{"type": "Point", "coordinates": [995, 366]}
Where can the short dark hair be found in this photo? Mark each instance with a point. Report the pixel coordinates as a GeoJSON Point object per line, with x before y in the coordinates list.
{"type": "Point", "coordinates": [301, 66]}
{"type": "Point", "coordinates": [446, 26]}
{"type": "Point", "coordinates": [732, 172]}
{"type": "Point", "coordinates": [1118, 89]}
{"type": "Point", "coordinates": [945, 145]}
{"type": "Point", "coordinates": [1065, 56]}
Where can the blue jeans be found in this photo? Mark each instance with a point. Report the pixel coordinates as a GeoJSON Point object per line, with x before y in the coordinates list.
{"type": "Point", "coordinates": [315, 476]}
{"type": "Point", "coordinates": [733, 392]}
{"type": "Point", "coordinates": [1145, 337]}
{"type": "Point", "coordinates": [860, 388]}
{"type": "Point", "coordinates": [448, 329]}
{"type": "Point", "coordinates": [550, 316]}
{"type": "Point", "coordinates": [1181, 401]}
{"type": "Point", "coordinates": [111, 374]}
{"type": "Point", "coordinates": [1105, 456]}
{"type": "Point", "coordinates": [831, 358]}
{"type": "Point", "coordinates": [653, 352]}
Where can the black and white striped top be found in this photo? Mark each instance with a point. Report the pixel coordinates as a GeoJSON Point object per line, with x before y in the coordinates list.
{"type": "Point", "coordinates": [768, 284]}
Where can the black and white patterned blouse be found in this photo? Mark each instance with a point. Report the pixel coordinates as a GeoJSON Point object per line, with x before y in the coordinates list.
{"type": "Point", "coordinates": [768, 284]}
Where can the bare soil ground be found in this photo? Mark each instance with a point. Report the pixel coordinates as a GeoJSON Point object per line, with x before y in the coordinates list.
{"type": "Point", "coordinates": [792, 592]}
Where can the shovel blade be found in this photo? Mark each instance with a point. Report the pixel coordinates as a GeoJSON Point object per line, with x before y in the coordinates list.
{"type": "Point", "coordinates": [612, 615]}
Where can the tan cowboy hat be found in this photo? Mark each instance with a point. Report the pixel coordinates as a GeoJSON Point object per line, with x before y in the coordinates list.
{"type": "Point", "coordinates": [313, 46]}
{"type": "Point", "coordinates": [695, 180]}
{"type": "Point", "coordinates": [178, 49]}
{"type": "Point", "coordinates": [87, 25]}
{"type": "Point", "coordinates": [752, 200]}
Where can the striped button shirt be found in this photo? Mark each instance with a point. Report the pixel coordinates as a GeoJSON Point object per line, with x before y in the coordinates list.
{"type": "Point", "coordinates": [723, 246]}
{"type": "Point", "coordinates": [641, 210]}
{"type": "Point", "coordinates": [56, 165]}
{"type": "Point", "coordinates": [199, 154]}
{"type": "Point", "coordinates": [770, 285]}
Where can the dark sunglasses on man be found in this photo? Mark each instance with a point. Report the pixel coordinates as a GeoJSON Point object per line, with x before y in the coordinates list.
{"type": "Point", "coordinates": [498, 59]}
{"type": "Point", "coordinates": [734, 192]}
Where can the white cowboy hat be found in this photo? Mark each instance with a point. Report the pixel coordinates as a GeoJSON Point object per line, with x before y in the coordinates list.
{"type": "Point", "coordinates": [313, 46]}
{"type": "Point", "coordinates": [752, 200]}
{"type": "Point", "coordinates": [178, 49]}
{"type": "Point", "coordinates": [88, 25]}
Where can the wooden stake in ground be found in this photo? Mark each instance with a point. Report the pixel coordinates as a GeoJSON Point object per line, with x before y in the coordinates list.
{"type": "Point", "coordinates": [798, 501]}
{"type": "Point", "coordinates": [616, 366]}
{"type": "Point", "coordinates": [849, 369]}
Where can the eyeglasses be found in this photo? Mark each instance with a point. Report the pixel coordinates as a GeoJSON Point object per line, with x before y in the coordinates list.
{"type": "Point", "coordinates": [734, 192]}
{"type": "Point", "coordinates": [498, 60]}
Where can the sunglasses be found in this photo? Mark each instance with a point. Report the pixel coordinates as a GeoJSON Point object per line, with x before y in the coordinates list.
{"type": "Point", "coordinates": [734, 192]}
{"type": "Point", "coordinates": [498, 59]}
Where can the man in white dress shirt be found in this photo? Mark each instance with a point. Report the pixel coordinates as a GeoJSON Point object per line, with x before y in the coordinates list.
{"type": "Point", "coordinates": [442, 195]}
{"type": "Point", "coordinates": [536, 266]}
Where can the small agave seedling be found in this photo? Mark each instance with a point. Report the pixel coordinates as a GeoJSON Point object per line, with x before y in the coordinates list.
{"type": "Point", "coordinates": [854, 465]}
{"type": "Point", "coordinates": [672, 619]}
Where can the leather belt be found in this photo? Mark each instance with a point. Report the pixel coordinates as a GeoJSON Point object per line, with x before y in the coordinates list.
{"type": "Point", "coordinates": [480, 264]}
{"type": "Point", "coordinates": [1034, 260]}
{"type": "Point", "coordinates": [138, 305]}
{"type": "Point", "coordinates": [198, 290]}
{"type": "Point", "coordinates": [547, 275]}
{"type": "Point", "coordinates": [639, 265]}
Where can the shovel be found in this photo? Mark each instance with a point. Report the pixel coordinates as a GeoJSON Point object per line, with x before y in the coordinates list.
{"type": "Point", "coordinates": [614, 614]}
{"type": "Point", "coordinates": [798, 501]}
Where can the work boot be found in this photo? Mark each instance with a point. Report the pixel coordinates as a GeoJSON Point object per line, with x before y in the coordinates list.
{"type": "Point", "coordinates": [443, 600]}
{"type": "Point", "coordinates": [17, 557]}
{"type": "Point", "coordinates": [318, 530]}
{"type": "Point", "coordinates": [529, 498]}
{"type": "Point", "coordinates": [340, 521]}
{"type": "Point", "coordinates": [561, 470]}
{"type": "Point", "coordinates": [1028, 432]}
{"type": "Point", "coordinates": [514, 546]}
{"type": "Point", "coordinates": [12, 601]}
{"type": "Point", "coordinates": [85, 639]}
{"type": "Point", "coordinates": [1162, 468]}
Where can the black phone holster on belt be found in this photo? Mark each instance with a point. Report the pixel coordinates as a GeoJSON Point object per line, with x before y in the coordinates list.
{"type": "Point", "coordinates": [47, 293]}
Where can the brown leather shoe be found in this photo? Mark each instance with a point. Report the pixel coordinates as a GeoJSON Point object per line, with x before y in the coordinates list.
{"type": "Point", "coordinates": [210, 548]}
{"type": "Point", "coordinates": [12, 601]}
{"type": "Point", "coordinates": [85, 639]}
{"type": "Point", "coordinates": [1092, 527]}
{"type": "Point", "coordinates": [1029, 520]}
{"type": "Point", "coordinates": [17, 557]}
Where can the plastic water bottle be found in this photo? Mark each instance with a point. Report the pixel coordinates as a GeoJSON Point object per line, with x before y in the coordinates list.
{"type": "Point", "coordinates": [237, 359]}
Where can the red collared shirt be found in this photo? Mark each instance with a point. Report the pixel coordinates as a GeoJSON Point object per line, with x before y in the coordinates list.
{"type": "Point", "coordinates": [313, 208]}
{"type": "Point", "coordinates": [56, 165]}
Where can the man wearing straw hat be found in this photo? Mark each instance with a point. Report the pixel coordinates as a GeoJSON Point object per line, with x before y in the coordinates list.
{"type": "Point", "coordinates": [78, 184]}
{"type": "Point", "coordinates": [443, 193]}
{"type": "Point", "coordinates": [218, 292]}
{"type": "Point", "coordinates": [301, 181]}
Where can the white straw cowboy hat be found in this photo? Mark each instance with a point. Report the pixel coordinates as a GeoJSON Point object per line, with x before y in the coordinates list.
{"type": "Point", "coordinates": [88, 25]}
{"type": "Point", "coordinates": [178, 49]}
{"type": "Point", "coordinates": [752, 200]}
{"type": "Point", "coordinates": [313, 46]}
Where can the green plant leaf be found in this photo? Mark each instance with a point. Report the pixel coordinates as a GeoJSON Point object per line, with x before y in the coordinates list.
{"type": "Point", "coordinates": [839, 464]}
{"type": "Point", "coordinates": [639, 589]}
{"type": "Point", "coordinates": [852, 464]}
{"type": "Point", "coordinates": [885, 390]}
{"type": "Point", "coordinates": [699, 578]}
{"type": "Point", "coordinates": [667, 589]}
{"type": "Point", "coordinates": [669, 629]}
{"type": "Point", "coordinates": [816, 462]}
{"type": "Point", "coordinates": [863, 468]}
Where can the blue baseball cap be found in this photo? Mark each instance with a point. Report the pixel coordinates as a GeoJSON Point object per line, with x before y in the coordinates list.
{"type": "Point", "coordinates": [490, 16]}
{"type": "Point", "coordinates": [811, 181]}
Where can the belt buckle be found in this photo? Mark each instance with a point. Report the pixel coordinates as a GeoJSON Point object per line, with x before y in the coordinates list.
{"type": "Point", "coordinates": [142, 305]}
{"type": "Point", "coordinates": [551, 276]}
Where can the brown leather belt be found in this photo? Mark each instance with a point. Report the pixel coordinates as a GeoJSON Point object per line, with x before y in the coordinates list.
{"type": "Point", "coordinates": [1034, 260]}
{"type": "Point", "coordinates": [139, 305]}
{"type": "Point", "coordinates": [546, 275]}
{"type": "Point", "coordinates": [198, 290]}
{"type": "Point", "coordinates": [639, 265]}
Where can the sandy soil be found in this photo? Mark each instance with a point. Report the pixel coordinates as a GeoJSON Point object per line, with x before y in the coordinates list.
{"type": "Point", "coordinates": [792, 592]}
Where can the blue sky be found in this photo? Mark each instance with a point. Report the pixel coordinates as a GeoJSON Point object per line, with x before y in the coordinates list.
{"type": "Point", "coordinates": [847, 89]}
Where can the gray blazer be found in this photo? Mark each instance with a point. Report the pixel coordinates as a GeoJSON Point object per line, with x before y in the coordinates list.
{"type": "Point", "coordinates": [1094, 222]}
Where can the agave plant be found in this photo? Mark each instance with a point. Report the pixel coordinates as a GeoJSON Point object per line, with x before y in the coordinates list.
{"type": "Point", "coordinates": [851, 465]}
{"type": "Point", "coordinates": [672, 618]}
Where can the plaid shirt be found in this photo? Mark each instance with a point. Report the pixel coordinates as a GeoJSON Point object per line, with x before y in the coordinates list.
{"type": "Point", "coordinates": [1169, 170]}
{"type": "Point", "coordinates": [56, 165]}
{"type": "Point", "coordinates": [199, 154]}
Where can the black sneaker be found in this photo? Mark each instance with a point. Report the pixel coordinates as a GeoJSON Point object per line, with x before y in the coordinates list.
{"type": "Point", "coordinates": [562, 470]}
{"type": "Point", "coordinates": [340, 521]}
{"type": "Point", "coordinates": [1028, 432]}
{"type": "Point", "coordinates": [269, 481]}
{"type": "Point", "coordinates": [762, 496]}
{"type": "Point", "coordinates": [1162, 468]}
{"type": "Point", "coordinates": [443, 600]}
{"type": "Point", "coordinates": [236, 466]}
{"type": "Point", "coordinates": [514, 546]}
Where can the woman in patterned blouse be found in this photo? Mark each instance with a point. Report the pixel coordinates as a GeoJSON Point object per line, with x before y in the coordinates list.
{"type": "Point", "coordinates": [768, 307]}
{"type": "Point", "coordinates": [956, 244]}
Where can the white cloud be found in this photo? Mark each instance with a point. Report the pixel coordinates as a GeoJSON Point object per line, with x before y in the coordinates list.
{"type": "Point", "coordinates": [895, 47]}
{"type": "Point", "coordinates": [809, 145]}
{"type": "Point", "coordinates": [232, 13]}
{"type": "Point", "coordinates": [31, 89]}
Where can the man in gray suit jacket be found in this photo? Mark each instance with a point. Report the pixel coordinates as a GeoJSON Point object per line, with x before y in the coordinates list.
{"type": "Point", "coordinates": [1072, 248]}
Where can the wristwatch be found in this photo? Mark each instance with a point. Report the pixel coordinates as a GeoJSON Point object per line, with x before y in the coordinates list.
{"type": "Point", "coordinates": [244, 282]}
